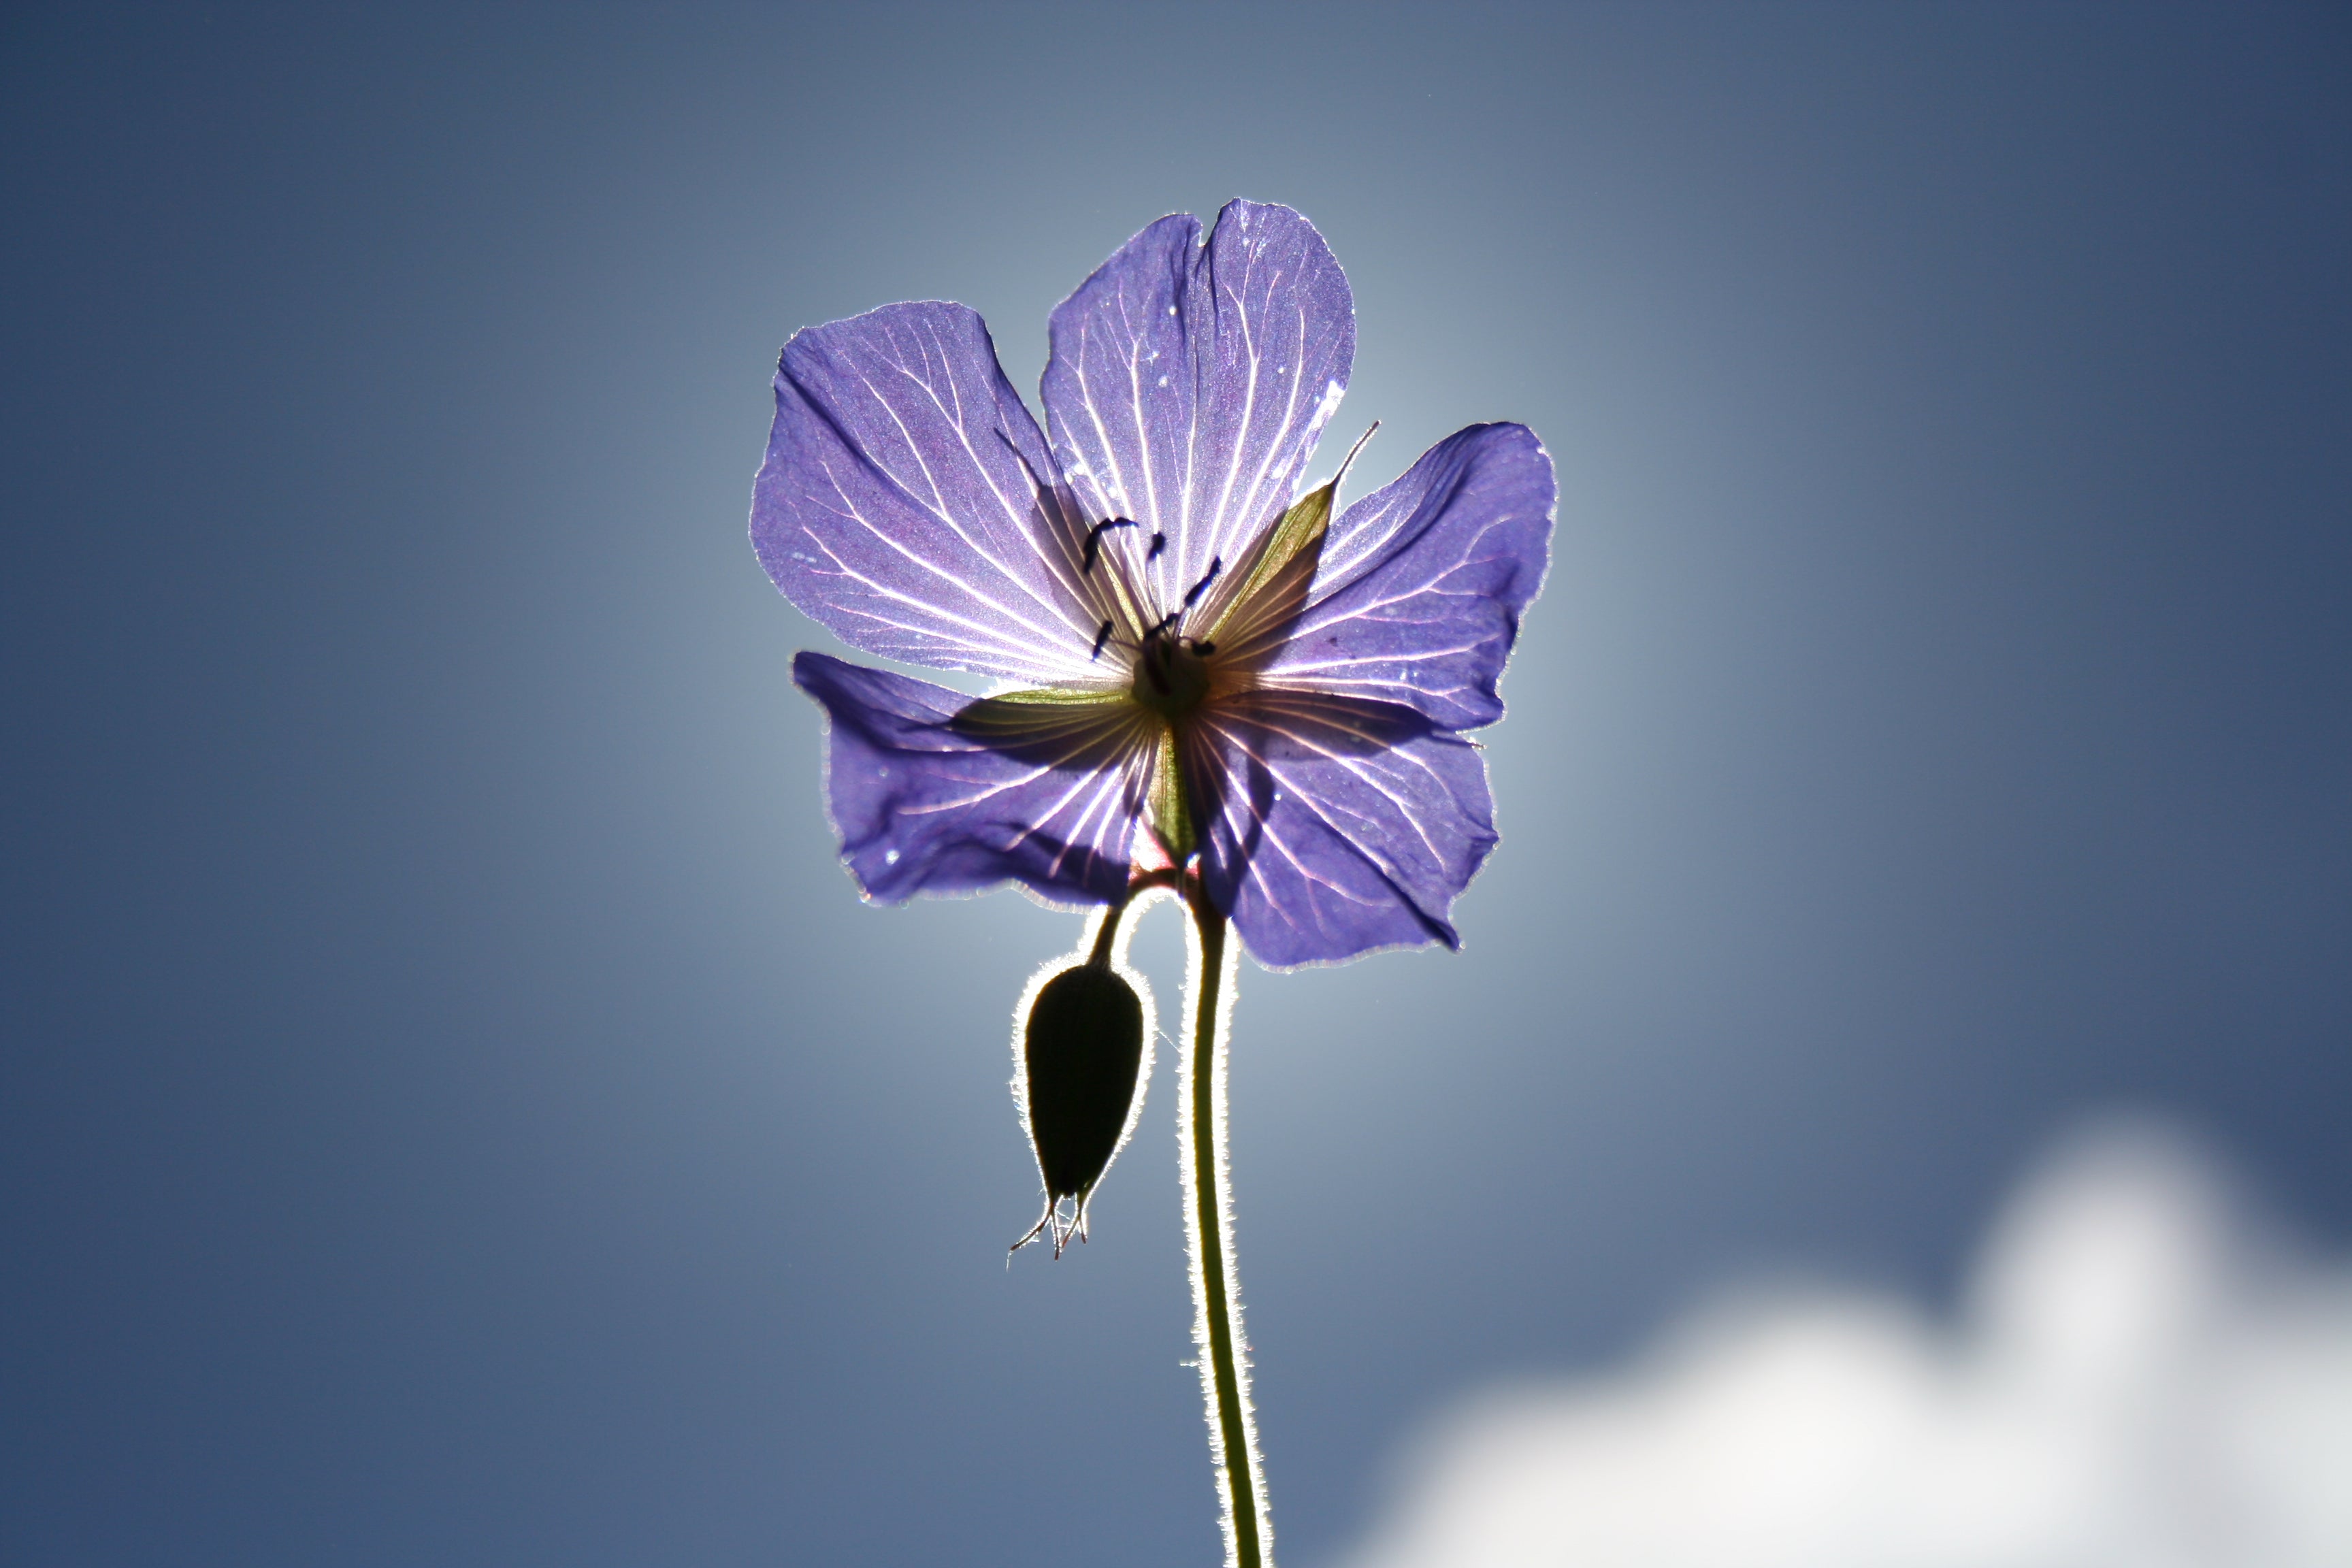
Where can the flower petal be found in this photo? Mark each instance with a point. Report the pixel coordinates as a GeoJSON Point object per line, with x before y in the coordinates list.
{"type": "Point", "coordinates": [1418, 594]}
{"type": "Point", "coordinates": [933, 791]}
{"type": "Point", "coordinates": [909, 503]}
{"type": "Point", "coordinates": [1187, 385]}
{"type": "Point", "coordinates": [1334, 825]}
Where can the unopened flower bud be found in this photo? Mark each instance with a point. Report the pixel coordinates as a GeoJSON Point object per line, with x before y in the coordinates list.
{"type": "Point", "coordinates": [1080, 1073]}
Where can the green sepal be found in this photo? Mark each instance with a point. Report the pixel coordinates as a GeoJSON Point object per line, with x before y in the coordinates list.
{"type": "Point", "coordinates": [1293, 545]}
{"type": "Point", "coordinates": [1036, 713]}
{"type": "Point", "coordinates": [1065, 694]}
{"type": "Point", "coordinates": [1171, 814]}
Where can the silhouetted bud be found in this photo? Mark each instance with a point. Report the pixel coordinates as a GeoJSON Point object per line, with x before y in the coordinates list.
{"type": "Point", "coordinates": [1081, 1065]}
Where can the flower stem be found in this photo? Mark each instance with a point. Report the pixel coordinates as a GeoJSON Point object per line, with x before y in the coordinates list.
{"type": "Point", "coordinates": [1222, 1354]}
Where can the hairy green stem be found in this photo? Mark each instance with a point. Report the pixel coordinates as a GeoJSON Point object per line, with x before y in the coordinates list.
{"type": "Point", "coordinates": [1208, 1224]}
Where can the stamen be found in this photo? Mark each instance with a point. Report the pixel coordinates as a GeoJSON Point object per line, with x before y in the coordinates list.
{"type": "Point", "coordinates": [1101, 638]}
{"type": "Point", "coordinates": [1094, 540]}
{"type": "Point", "coordinates": [1159, 543]}
{"type": "Point", "coordinates": [1204, 649]}
{"type": "Point", "coordinates": [1216, 564]}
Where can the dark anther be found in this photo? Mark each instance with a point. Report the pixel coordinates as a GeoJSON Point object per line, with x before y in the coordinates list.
{"type": "Point", "coordinates": [1101, 638]}
{"type": "Point", "coordinates": [1159, 543]}
{"type": "Point", "coordinates": [1216, 564]}
{"type": "Point", "coordinates": [1204, 649]}
{"type": "Point", "coordinates": [1094, 540]}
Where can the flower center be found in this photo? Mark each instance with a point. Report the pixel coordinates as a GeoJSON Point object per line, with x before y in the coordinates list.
{"type": "Point", "coordinates": [1172, 675]}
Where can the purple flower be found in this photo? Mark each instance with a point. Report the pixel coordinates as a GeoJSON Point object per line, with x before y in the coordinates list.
{"type": "Point", "coordinates": [1197, 661]}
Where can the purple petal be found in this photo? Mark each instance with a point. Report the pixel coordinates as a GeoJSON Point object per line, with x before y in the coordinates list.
{"type": "Point", "coordinates": [1188, 384]}
{"type": "Point", "coordinates": [1334, 825]}
{"type": "Point", "coordinates": [908, 502]}
{"type": "Point", "coordinates": [1426, 579]}
{"type": "Point", "coordinates": [933, 791]}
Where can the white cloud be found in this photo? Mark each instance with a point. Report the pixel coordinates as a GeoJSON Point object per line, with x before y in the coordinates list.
{"type": "Point", "coordinates": [2138, 1380]}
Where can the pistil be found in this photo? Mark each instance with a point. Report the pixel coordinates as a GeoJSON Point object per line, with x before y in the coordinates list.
{"type": "Point", "coordinates": [1171, 674]}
